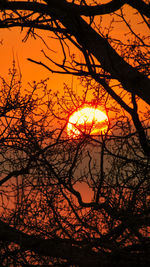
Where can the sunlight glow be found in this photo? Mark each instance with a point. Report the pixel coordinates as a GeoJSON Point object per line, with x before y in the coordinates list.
{"type": "Point", "coordinates": [87, 120]}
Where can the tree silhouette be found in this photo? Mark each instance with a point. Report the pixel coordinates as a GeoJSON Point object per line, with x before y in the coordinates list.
{"type": "Point", "coordinates": [77, 201]}
{"type": "Point", "coordinates": [105, 58]}
{"type": "Point", "coordinates": [64, 19]}
{"type": "Point", "coordinates": [64, 201]}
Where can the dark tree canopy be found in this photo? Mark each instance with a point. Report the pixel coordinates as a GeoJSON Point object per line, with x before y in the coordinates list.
{"type": "Point", "coordinates": [81, 201]}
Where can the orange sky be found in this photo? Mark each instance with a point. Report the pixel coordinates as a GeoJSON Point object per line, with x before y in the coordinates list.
{"type": "Point", "coordinates": [13, 46]}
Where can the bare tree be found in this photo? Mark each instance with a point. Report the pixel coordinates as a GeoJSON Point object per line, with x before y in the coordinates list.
{"type": "Point", "coordinates": [64, 201]}
{"type": "Point", "coordinates": [64, 19]}
{"type": "Point", "coordinates": [82, 201]}
{"type": "Point", "coordinates": [106, 59]}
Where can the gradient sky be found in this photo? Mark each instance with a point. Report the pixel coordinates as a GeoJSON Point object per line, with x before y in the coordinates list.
{"type": "Point", "coordinates": [13, 47]}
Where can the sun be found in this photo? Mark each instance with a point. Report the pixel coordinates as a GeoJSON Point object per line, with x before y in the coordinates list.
{"type": "Point", "coordinates": [87, 120]}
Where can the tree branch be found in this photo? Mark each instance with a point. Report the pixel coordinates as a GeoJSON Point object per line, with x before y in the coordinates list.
{"type": "Point", "coordinates": [132, 80]}
{"type": "Point", "coordinates": [102, 9]}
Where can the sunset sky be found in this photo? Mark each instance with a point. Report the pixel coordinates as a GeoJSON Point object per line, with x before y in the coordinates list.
{"type": "Point", "coordinates": [13, 46]}
{"type": "Point", "coordinates": [74, 149]}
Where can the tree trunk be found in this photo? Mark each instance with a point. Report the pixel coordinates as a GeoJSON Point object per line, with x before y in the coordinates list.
{"type": "Point", "coordinates": [132, 80]}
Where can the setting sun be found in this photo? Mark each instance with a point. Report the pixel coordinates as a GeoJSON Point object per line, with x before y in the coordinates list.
{"type": "Point", "coordinates": [88, 120]}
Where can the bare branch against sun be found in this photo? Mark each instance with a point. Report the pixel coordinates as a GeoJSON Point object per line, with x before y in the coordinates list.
{"type": "Point", "coordinates": [75, 161]}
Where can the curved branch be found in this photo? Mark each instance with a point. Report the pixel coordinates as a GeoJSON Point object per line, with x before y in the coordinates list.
{"type": "Point", "coordinates": [54, 247]}
{"type": "Point", "coordinates": [14, 174]}
{"type": "Point", "coordinates": [132, 80]}
{"type": "Point", "coordinates": [74, 253]}
{"type": "Point", "coordinates": [102, 9]}
{"type": "Point", "coordinates": [32, 25]}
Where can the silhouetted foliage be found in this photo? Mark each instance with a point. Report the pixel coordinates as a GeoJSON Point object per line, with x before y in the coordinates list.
{"type": "Point", "coordinates": [81, 201]}
{"type": "Point", "coordinates": [78, 201]}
